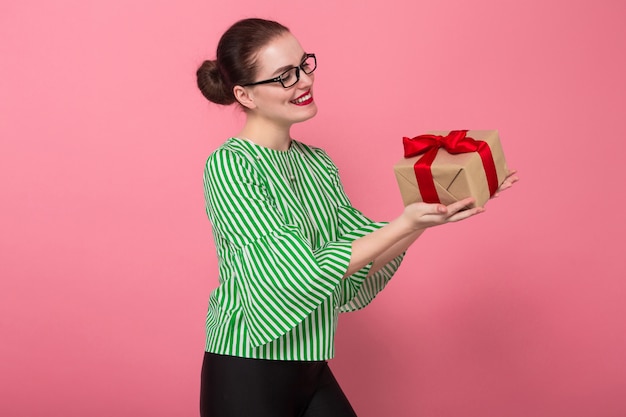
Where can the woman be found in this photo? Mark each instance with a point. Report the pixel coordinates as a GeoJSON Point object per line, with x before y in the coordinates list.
{"type": "Point", "coordinates": [292, 251]}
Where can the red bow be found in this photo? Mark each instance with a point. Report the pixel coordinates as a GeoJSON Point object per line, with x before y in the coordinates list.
{"type": "Point", "coordinates": [455, 142]}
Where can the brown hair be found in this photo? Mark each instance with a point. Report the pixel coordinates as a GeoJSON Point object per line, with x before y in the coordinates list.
{"type": "Point", "coordinates": [235, 62]}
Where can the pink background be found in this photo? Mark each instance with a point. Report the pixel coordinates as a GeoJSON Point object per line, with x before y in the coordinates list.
{"type": "Point", "coordinates": [106, 255]}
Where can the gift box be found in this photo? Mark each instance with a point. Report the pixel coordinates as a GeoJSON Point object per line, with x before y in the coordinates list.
{"type": "Point", "coordinates": [448, 166]}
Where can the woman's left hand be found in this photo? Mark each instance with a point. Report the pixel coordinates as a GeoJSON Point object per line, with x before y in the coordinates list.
{"type": "Point", "coordinates": [508, 182]}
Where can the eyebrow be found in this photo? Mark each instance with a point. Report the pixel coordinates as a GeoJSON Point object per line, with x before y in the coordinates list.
{"type": "Point", "coordinates": [286, 67]}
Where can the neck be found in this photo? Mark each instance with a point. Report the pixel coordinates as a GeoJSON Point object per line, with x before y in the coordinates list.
{"type": "Point", "coordinates": [269, 135]}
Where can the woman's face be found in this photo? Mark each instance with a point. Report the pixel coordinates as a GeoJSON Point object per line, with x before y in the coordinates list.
{"type": "Point", "coordinates": [273, 102]}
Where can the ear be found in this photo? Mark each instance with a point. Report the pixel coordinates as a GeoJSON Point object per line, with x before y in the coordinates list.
{"type": "Point", "coordinates": [244, 96]}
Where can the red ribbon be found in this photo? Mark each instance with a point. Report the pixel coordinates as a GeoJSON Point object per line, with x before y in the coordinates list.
{"type": "Point", "coordinates": [455, 142]}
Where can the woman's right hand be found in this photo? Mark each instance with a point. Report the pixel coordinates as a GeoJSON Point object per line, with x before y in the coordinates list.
{"type": "Point", "coordinates": [420, 216]}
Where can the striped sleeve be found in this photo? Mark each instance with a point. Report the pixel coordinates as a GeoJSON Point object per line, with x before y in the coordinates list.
{"type": "Point", "coordinates": [359, 289]}
{"type": "Point", "coordinates": [279, 278]}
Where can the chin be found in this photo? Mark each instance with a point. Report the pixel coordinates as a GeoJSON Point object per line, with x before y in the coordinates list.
{"type": "Point", "coordinates": [309, 112]}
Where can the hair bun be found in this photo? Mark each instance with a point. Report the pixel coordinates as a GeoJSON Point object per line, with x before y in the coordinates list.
{"type": "Point", "coordinates": [212, 85]}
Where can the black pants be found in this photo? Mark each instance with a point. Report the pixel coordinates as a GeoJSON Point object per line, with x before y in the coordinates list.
{"type": "Point", "coordinates": [240, 387]}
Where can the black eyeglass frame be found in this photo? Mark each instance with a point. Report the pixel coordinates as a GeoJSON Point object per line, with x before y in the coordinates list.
{"type": "Point", "coordinates": [279, 79]}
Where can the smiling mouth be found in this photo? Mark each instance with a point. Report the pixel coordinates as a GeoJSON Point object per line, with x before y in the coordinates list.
{"type": "Point", "coordinates": [304, 99]}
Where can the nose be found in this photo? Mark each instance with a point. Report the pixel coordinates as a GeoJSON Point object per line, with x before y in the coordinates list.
{"type": "Point", "coordinates": [306, 80]}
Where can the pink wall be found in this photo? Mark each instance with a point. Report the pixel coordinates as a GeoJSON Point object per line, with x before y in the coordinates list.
{"type": "Point", "coordinates": [106, 255]}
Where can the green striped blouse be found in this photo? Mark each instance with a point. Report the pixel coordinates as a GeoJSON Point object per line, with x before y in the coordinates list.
{"type": "Point", "coordinates": [283, 230]}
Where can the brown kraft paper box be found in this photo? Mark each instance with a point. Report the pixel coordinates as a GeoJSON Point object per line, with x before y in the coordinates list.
{"type": "Point", "coordinates": [455, 176]}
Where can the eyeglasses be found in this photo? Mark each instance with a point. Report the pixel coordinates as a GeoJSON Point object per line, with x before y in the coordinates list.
{"type": "Point", "coordinates": [290, 77]}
